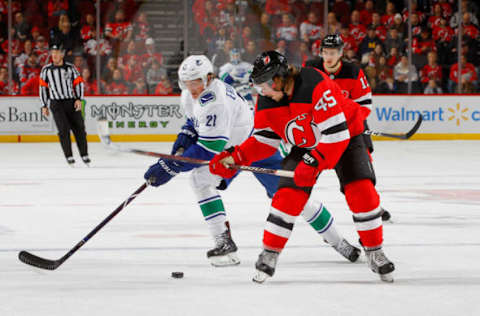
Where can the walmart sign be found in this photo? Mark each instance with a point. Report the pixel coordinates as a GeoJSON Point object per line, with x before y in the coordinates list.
{"type": "Point", "coordinates": [441, 114]}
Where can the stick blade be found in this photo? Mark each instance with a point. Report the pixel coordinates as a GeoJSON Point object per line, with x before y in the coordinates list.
{"type": "Point", "coordinates": [415, 127]}
{"type": "Point", "coordinates": [33, 260]}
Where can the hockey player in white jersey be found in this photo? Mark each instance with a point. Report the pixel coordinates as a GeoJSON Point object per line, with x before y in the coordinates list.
{"type": "Point", "coordinates": [217, 118]}
{"type": "Point", "coordinates": [237, 74]}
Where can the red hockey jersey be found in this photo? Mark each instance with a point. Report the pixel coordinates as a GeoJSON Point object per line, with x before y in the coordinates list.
{"type": "Point", "coordinates": [317, 115]}
{"type": "Point", "coordinates": [352, 82]}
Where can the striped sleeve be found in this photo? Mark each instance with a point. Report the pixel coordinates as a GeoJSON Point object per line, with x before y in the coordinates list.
{"type": "Point", "coordinates": [43, 87]}
{"type": "Point", "coordinates": [362, 93]}
{"type": "Point", "coordinates": [78, 84]}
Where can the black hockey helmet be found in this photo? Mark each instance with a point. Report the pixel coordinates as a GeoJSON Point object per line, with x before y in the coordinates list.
{"type": "Point", "coordinates": [332, 41]}
{"type": "Point", "coordinates": [268, 65]}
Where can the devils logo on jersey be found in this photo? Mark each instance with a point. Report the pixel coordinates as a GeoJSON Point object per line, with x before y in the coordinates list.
{"type": "Point", "coordinates": [266, 60]}
{"type": "Point", "coordinates": [302, 132]}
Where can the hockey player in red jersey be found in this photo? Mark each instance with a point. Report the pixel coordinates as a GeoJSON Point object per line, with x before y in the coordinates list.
{"type": "Point", "coordinates": [349, 77]}
{"type": "Point", "coordinates": [305, 108]}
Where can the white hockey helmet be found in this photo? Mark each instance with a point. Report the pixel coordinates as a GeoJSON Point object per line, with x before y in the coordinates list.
{"type": "Point", "coordinates": [194, 67]}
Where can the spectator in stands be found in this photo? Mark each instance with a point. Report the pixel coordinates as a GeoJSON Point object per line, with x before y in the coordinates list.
{"type": "Point", "coordinates": [107, 73]}
{"type": "Point", "coordinates": [30, 69]}
{"type": "Point", "coordinates": [369, 43]}
{"type": "Point", "coordinates": [416, 27]}
{"type": "Point", "coordinates": [154, 75]}
{"type": "Point", "coordinates": [301, 8]}
{"type": "Point", "coordinates": [357, 29]}
{"type": "Point", "coordinates": [420, 14]}
{"type": "Point", "coordinates": [141, 28]}
{"type": "Point", "coordinates": [140, 87]}
{"type": "Point", "coordinates": [311, 30]}
{"type": "Point", "coordinates": [264, 32]}
{"type": "Point", "coordinates": [133, 70]}
{"type": "Point", "coordinates": [366, 15]}
{"type": "Point", "coordinates": [150, 55]}
{"type": "Point", "coordinates": [389, 16]}
{"type": "Point", "coordinates": [3, 28]}
{"type": "Point", "coordinates": [431, 71]}
{"type": "Point", "coordinates": [89, 29]}
{"type": "Point", "coordinates": [90, 84]}
{"type": "Point", "coordinates": [469, 28]}
{"type": "Point", "coordinates": [348, 40]}
{"type": "Point", "coordinates": [21, 27]}
{"type": "Point", "coordinates": [393, 40]}
{"type": "Point", "coordinates": [393, 57]}
{"type": "Point", "coordinates": [251, 52]}
{"type": "Point", "coordinates": [116, 85]}
{"type": "Point", "coordinates": [400, 26]}
{"type": "Point", "coordinates": [4, 84]}
{"type": "Point", "coordinates": [23, 56]}
{"type": "Point", "coordinates": [246, 35]}
{"type": "Point", "coordinates": [351, 56]}
{"type": "Point", "coordinates": [78, 61]}
{"type": "Point", "coordinates": [382, 70]}
{"type": "Point", "coordinates": [443, 36]}
{"type": "Point", "coordinates": [30, 87]}
{"type": "Point", "coordinates": [333, 24]}
{"type": "Point", "coordinates": [387, 86]}
{"type": "Point", "coordinates": [404, 73]}
{"type": "Point", "coordinates": [468, 77]}
{"type": "Point", "coordinates": [287, 30]}
{"type": "Point", "coordinates": [64, 34]}
{"type": "Point", "coordinates": [423, 44]}
{"type": "Point", "coordinates": [104, 48]}
{"type": "Point", "coordinates": [222, 56]}
{"type": "Point", "coordinates": [41, 50]}
{"type": "Point", "coordinates": [164, 87]}
{"type": "Point", "coordinates": [303, 54]}
{"type": "Point", "coordinates": [118, 30]}
{"type": "Point", "coordinates": [380, 29]}
{"type": "Point", "coordinates": [434, 20]}
{"type": "Point", "coordinates": [282, 48]}
{"type": "Point", "coordinates": [455, 19]}
{"type": "Point", "coordinates": [432, 88]}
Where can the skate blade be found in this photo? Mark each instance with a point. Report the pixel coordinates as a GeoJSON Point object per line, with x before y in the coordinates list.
{"type": "Point", "coordinates": [260, 277]}
{"type": "Point", "coordinates": [230, 259]}
{"type": "Point", "coordinates": [387, 277]}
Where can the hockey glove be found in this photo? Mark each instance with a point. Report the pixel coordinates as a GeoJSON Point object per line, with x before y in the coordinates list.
{"type": "Point", "coordinates": [187, 137]}
{"type": "Point", "coordinates": [161, 172]}
{"type": "Point", "coordinates": [308, 169]}
{"type": "Point", "coordinates": [219, 163]}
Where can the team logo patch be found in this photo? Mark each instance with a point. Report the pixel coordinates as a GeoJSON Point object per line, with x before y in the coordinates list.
{"type": "Point", "coordinates": [345, 93]}
{"type": "Point", "coordinates": [266, 60]}
{"type": "Point", "coordinates": [302, 132]}
{"type": "Point", "coordinates": [207, 97]}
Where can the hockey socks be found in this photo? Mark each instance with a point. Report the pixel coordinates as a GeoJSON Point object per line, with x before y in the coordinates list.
{"type": "Point", "coordinates": [214, 213]}
{"type": "Point", "coordinates": [363, 200]}
{"type": "Point", "coordinates": [317, 215]}
{"type": "Point", "coordinates": [287, 204]}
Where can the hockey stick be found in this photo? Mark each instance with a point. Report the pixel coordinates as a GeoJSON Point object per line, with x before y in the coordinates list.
{"type": "Point", "coordinates": [398, 136]}
{"type": "Point", "coordinates": [106, 140]}
{"type": "Point", "coordinates": [33, 260]}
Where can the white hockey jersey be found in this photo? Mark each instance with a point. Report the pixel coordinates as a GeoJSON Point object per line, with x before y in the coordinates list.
{"type": "Point", "coordinates": [238, 76]}
{"type": "Point", "coordinates": [221, 117]}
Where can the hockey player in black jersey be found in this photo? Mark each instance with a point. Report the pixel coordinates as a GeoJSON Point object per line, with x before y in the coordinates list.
{"type": "Point", "coordinates": [349, 77]}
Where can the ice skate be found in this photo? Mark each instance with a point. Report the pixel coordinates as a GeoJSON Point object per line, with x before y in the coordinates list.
{"type": "Point", "coordinates": [379, 263]}
{"type": "Point", "coordinates": [86, 160]}
{"type": "Point", "coordinates": [70, 161]}
{"type": "Point", "coordinates": [225, 252]}
{"type": "Point", "coordinates": [266, 263]}
{"type": "Point", "coordinates": [350, 252]}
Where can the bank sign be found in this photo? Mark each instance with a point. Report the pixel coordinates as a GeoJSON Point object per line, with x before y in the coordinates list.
{"type": "Point", "coordinates": [441, 114]}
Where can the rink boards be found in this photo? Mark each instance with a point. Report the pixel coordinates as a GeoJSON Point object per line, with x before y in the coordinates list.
{"type": "Point", "coordinates": [150, 118]}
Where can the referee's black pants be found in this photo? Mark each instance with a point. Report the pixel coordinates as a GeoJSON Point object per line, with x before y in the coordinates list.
{"type": "Point", "coordinates": [66, 119]}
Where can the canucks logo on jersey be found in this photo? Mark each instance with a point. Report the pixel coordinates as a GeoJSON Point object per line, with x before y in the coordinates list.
{"type": "Point", "coordinates": [207, 97]}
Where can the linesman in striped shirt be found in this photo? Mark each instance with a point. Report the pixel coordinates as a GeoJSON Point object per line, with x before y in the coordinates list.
{"type": "Point", "coordinates": [61, 91]}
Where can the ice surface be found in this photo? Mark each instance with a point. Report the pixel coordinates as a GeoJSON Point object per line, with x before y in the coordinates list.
{"type": "Point", "coordinates": [432, 190]}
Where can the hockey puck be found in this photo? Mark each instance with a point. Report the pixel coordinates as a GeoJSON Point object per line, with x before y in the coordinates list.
{"type": "Point", "coordinates": [177, 275]}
